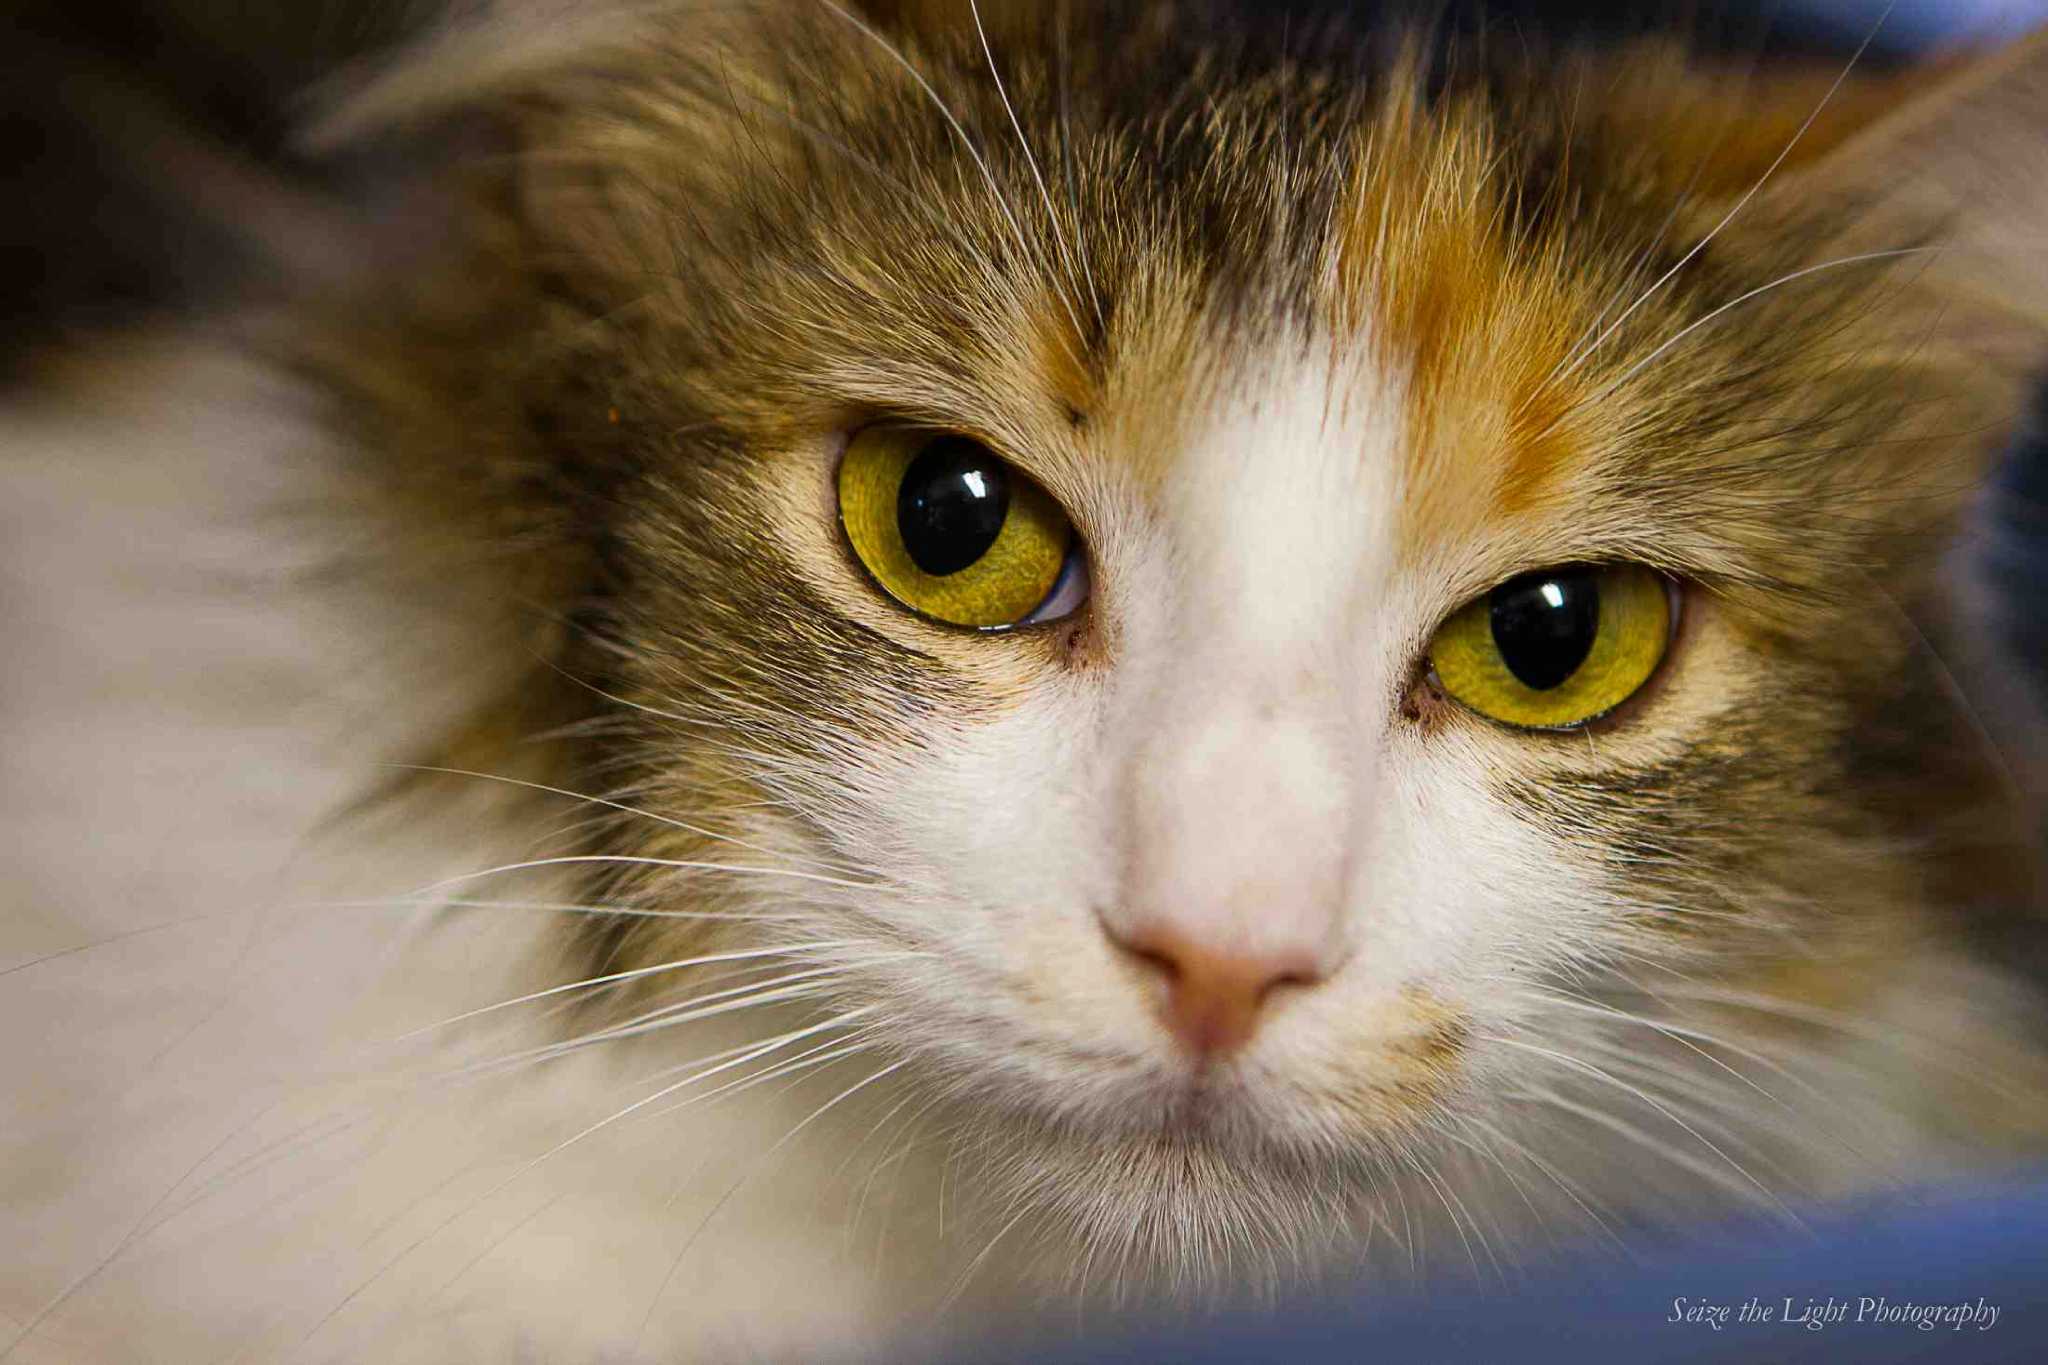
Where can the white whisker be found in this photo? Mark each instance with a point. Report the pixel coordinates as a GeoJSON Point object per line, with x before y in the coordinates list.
{"type": "Point", "coordinates": [966, 1276]}
{"type": "Point", "coordinates": [761, 1050]}
{"type": "Point", "coordinates": [757, 1163]}
{"type": "Point", "coordinates": [1684, 1035]}
{"type": "Point", "coordinates": [895, 55]}
{"type": "Point", "coordinates": [779, 991]}
{"type": "Point", "coordinates": [556, 908]}
{"type": "Point", "coordinates": [635, 974]}
{"type": "Point", "coordinates": [1798, 135]}
{"type": "Point", "coordinates": [1521, 1151]}
{"type": "Point", "coordinates": [604, 801]}
{"type": "Point", "coordinates": [1588, 1069]}
{"type": "Point", "coordinates": [627, 860]}
{"type": "Point", "coordinates": [1063, 65]}
{"type": "Point", "coordinates": [1052, 216]}
{"type": "Point", "coordinates": [1686, 331]}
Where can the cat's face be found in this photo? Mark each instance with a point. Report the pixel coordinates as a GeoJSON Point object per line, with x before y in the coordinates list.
{"type": "Point", "coordinates": [1245, 852]}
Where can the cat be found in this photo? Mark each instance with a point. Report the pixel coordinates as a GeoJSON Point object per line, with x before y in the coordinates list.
{"type": "Point", "coordinates": [840, 674]}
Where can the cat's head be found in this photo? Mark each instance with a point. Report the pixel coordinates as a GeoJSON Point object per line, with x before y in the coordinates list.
{"type": "Point", "coordinates": [1214, 590]}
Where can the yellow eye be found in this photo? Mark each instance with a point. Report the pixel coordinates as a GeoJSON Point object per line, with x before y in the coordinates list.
{"type": "Point", "coordinates": [1556, 648]}
{"type": "Point", "coordinates": [952, 531]}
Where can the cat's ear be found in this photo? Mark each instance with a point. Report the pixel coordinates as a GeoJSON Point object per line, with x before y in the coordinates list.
{"type": "Point", "coordinates": [1950, 155]}
{"type": "Point", "coordinates": [593, 122]}
{"type": "Point", "coordinates": [485, 53]}
{"type": "Point", "coordinates": [1952, 166]}
{"type": "Point", "coordinates": [477, 59]}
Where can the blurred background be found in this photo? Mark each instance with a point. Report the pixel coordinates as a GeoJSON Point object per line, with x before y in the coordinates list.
{"type": "Point", "coordinates": [111, 109]}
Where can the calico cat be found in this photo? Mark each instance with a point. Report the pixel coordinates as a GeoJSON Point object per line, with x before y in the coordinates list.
{"type": "Point", "coordinates": [833, 672]}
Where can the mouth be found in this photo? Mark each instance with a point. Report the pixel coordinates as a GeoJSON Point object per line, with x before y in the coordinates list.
{"type": "Point", "coordinates": [1205, 1108]}
{"type": "Point", "coordinates": [1237, 1109]}
{"type": "Point", "coordinates": [1196, 1105]}
{"type": "Point", "coordinates": [1125, 1098]}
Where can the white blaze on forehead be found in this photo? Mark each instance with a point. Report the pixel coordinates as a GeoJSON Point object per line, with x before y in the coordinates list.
{"type": "Point", "coordinates": [1262, 690]}
{"type": "Point", "coordinates": [1281, 510]}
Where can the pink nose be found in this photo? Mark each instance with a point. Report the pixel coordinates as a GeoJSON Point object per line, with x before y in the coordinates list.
{"type": "Point", "coordinates": [1213, 998]}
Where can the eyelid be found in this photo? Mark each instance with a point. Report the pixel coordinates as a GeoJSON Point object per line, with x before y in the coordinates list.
{"type": "Point", "coordinates": [1675, 585]}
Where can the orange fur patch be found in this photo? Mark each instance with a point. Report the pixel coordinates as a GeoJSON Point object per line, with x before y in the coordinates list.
{"type": "Point", "coordinates": [1477, 324]}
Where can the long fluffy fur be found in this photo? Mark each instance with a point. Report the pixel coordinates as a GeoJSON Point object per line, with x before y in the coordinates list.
{"type": "Point", "coordinates": [552, 449]}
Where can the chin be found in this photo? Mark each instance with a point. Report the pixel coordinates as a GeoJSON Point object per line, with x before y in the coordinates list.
{"type": "Point", "coordinates": [1186, 1184]}
{"type": "Point", "coordinates": [1195, 1210]}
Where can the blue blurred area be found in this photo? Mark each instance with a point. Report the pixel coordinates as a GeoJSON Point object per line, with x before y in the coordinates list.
{"type": "Point", "coordinates": [1923, 22]}
{"type": "Point", "coordinates": [2014, 548]}
{"type": "Point", "coordinates": [1895, 30]}
{"type": "Point", "coordinates": [1855, 1288]}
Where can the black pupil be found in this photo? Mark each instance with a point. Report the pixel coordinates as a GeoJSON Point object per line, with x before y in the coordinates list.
{"type": "Point", "coordinates": [951, 504]}
{"type": "Point", "coordinates": [1544, 624]}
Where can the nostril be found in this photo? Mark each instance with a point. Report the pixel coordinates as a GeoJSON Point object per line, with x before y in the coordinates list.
{"type": "Point", "coordinates": [1293, 976]}
{"type": "Point", "coordinates": [1152, 958]}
